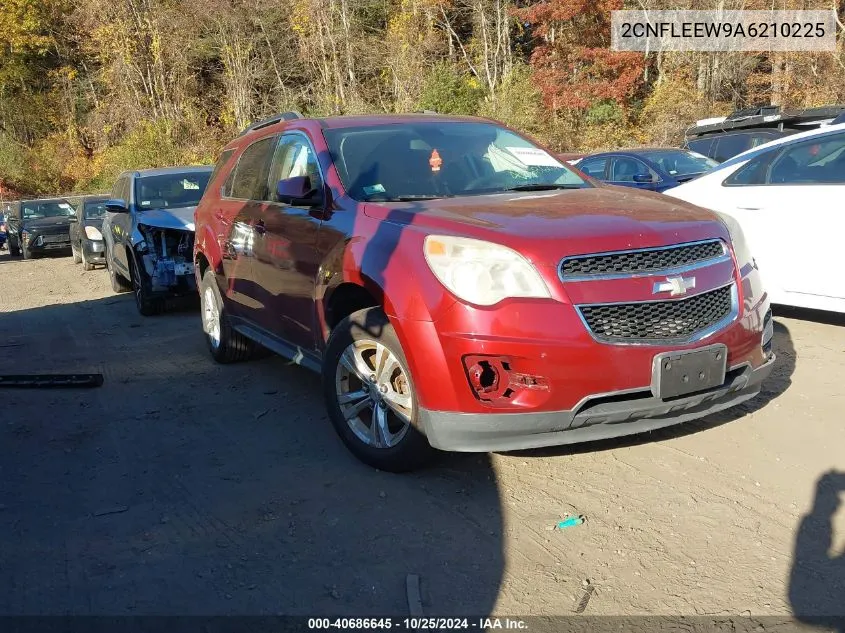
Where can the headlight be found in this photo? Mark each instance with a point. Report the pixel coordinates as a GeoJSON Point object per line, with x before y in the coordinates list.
{"type": "Point", "coordinates": [480, 272]}
{"type": "Point", "coordinates": [93, 233]}
{"type": "Point", "coordinates": [739, 243]}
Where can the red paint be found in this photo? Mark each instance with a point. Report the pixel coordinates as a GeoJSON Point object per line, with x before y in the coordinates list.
{"type": "Point", "coordinates": [552, 361]}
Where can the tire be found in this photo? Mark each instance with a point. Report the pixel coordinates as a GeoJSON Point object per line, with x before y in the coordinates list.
{"type": "Point", "coordinates": [355, 346]}
{"type": "Point", "coordinates": [148, 305]}
{"type": "Point", "coordinates": [118, 283]}
{"type": "Point", "coordinates": [225, 344]}
{"type": "Point", "coordinates": [77, 258]}
{"type": "Point", "coordinates": [86, 265]}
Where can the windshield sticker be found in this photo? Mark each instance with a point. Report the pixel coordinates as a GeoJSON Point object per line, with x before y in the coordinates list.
{"type": "Point", "coordinates": [374, 189]}
{"type": "Point", "coordinates": [187, 184]}
{"type": "Point", "coordinates": [435, 161]}
{"type": "Point", "coordinates": [534, 157]}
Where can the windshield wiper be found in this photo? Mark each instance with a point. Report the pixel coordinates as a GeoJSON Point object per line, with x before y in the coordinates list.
{"type": "Point", "coordinates": [419, 197]}
{"type": "Point", "coordinates": [541, 187]}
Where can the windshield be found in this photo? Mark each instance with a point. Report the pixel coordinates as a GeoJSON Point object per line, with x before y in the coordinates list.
{"type": "Point", "coordinates": [171, 190]}
{"type": "Point", "coordinates": [681, 163]}
{"type": "Point", "coordinates": [95, 210]}
{"type": "Point", "coordinates": [441, 159]}
{"type": "Point", "coordinates": [54, 209]}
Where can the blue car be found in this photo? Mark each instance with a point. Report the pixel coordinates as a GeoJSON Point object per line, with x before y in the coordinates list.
{"type": "Point", "coordinates": [654, 169]}
{"type": "Point", "coordinates": [2, 229]}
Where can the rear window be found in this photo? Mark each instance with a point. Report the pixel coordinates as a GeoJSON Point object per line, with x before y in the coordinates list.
{"type": "Point", "coordinates": [171, 190]}
{"type": "Point", "coordinates": [95, 210]}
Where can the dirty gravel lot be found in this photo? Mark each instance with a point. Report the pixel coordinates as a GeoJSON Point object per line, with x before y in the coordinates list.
{"type": "Point", "coordinates": [185, 487]}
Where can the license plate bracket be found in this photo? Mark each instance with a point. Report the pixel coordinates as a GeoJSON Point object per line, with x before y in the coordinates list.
{"type": "Point", "coordinates": [677, 374]}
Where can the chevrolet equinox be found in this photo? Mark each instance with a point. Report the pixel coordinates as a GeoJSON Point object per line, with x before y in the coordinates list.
{"type": "Point", "coordinates": [460, 288]}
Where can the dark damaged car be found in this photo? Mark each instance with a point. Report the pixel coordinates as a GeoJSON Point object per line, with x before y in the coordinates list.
{"type": "Point", "coordinates": [149, 233]}
{"type": "Point", "coordinates": [86, 237]}
{"type": "Point", "coordinates": [37, 227]}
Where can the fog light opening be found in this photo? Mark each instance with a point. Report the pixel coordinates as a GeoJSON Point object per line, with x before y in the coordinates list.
{"type": "Point", "coordinates": [484, 377]}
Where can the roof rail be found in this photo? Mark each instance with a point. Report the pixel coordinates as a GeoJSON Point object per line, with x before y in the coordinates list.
{"type": "Point", "coordinates": [769, 117]}
{"type": "Point", "coordinates": [276, 118]}
{"type": "Point", "coordinates": [426, 112]}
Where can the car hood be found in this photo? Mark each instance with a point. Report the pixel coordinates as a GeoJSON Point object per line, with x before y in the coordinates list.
{"type": "Point", "coordinates": [547, 225]}
{"type": "Point", "coordinates": [44, 223]}
{"type": "Point", "coordinates": [181, 218]}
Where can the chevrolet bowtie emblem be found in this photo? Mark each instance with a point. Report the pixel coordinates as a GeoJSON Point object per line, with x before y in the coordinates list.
{"type": "Point", "coordinates": [674, 285]}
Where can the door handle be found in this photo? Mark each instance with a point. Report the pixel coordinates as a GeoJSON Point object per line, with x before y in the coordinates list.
{"type": "Point", "coordinates": [749, 208]}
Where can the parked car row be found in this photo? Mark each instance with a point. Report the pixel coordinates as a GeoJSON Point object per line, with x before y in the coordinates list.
{"type": "Point", "coordinates": [458, 287]}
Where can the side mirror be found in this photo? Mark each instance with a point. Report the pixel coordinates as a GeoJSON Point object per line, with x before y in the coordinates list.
{"type": "Point", "coordinates": [297, 191]}
{"type": "Point", "coordinates": [644, 178]}
{"type": "Point", "coordinates": [116, 206]}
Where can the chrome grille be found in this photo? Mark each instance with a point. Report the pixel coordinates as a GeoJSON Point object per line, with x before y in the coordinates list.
{"type": "Point", "coordinates": [641, 261]}
{"type": "Point", "coordinates": [658, 320]}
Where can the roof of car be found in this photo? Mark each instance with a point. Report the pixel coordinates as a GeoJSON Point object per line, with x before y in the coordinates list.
{"type": "Point", "coordinates": [638, 151]}
{"type": "Point", "coordinates": [163, 171]}
{"type": "Point", "coordinates": [393, 119]}
{"type": "Point", "coordinates": [40, 200]}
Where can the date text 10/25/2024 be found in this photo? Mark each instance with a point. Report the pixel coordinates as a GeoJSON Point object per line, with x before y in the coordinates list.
{"type": "Point", "coordinates": [417, 624]}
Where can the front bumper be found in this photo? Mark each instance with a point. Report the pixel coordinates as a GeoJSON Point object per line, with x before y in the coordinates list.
{"type": "Point", "coordinates": [94, 251]}
{"type": "Point", "coordinates": [47, 243]}
{"type": "Point", "coordinates": [596, 418]}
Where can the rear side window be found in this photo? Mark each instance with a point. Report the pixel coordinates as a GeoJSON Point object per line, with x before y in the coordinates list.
{"type": "Point", "coordinates": [703, 146]}
{"type": "Point", "coordinates": [221, 163]}
{"type": "Point", "coordinates": [820, 161]}
{"type": "Point", "coordinates": [250, 177]}
{"type": "Point", "coordinates": [593, 167]}
{"type": "Point", "coordinates": [731, 145]}
{"type": "Point", "coordinates": [121, 190]}
{"type": "Point", "coordinates": [623, 169]}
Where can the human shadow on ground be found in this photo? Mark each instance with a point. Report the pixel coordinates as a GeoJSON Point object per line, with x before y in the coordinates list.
{"type": "Point", "coordinates": [817, 578]}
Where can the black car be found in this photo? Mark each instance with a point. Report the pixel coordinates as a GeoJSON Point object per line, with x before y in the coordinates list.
{"type": "Point", "coordinates": [149, 233]}
{"type": "Point", "coordinates": [36, 227]}
{"type": "Point", "coordinates": [724, 138]}
{"type": "Point", "coordinates": [86, 238]}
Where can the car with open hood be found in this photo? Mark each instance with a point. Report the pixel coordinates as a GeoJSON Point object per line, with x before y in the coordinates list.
{"type": "Point", "coordinates": [86, 237]}
{"type": "Point", "coordinates": [39, 226]}
{"type": "Point", "coordinates": [461, 288]}
{"type": "Point", "coordinates": [148, 233]}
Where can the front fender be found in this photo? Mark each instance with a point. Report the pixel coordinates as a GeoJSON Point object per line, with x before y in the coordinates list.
{"type": "Point", "coordinates": [392, 268]}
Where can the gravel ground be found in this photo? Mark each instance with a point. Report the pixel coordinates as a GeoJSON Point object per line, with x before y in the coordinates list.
{"type": "Point", "coordinates": [185, 487]}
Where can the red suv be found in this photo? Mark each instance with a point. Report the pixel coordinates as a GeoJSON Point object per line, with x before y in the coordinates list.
{"type": "Point", "coordinates": [460, 288]}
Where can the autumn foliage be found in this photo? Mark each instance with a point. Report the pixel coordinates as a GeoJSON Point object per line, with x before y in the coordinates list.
{"type": "Point", "coordinates": [91, 87]}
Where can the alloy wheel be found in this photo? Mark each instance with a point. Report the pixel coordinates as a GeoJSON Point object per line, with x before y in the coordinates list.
{"type": "Point", "coordinates": [211, 317]}
{"type": "Point", "coordinates": [374, 394]}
